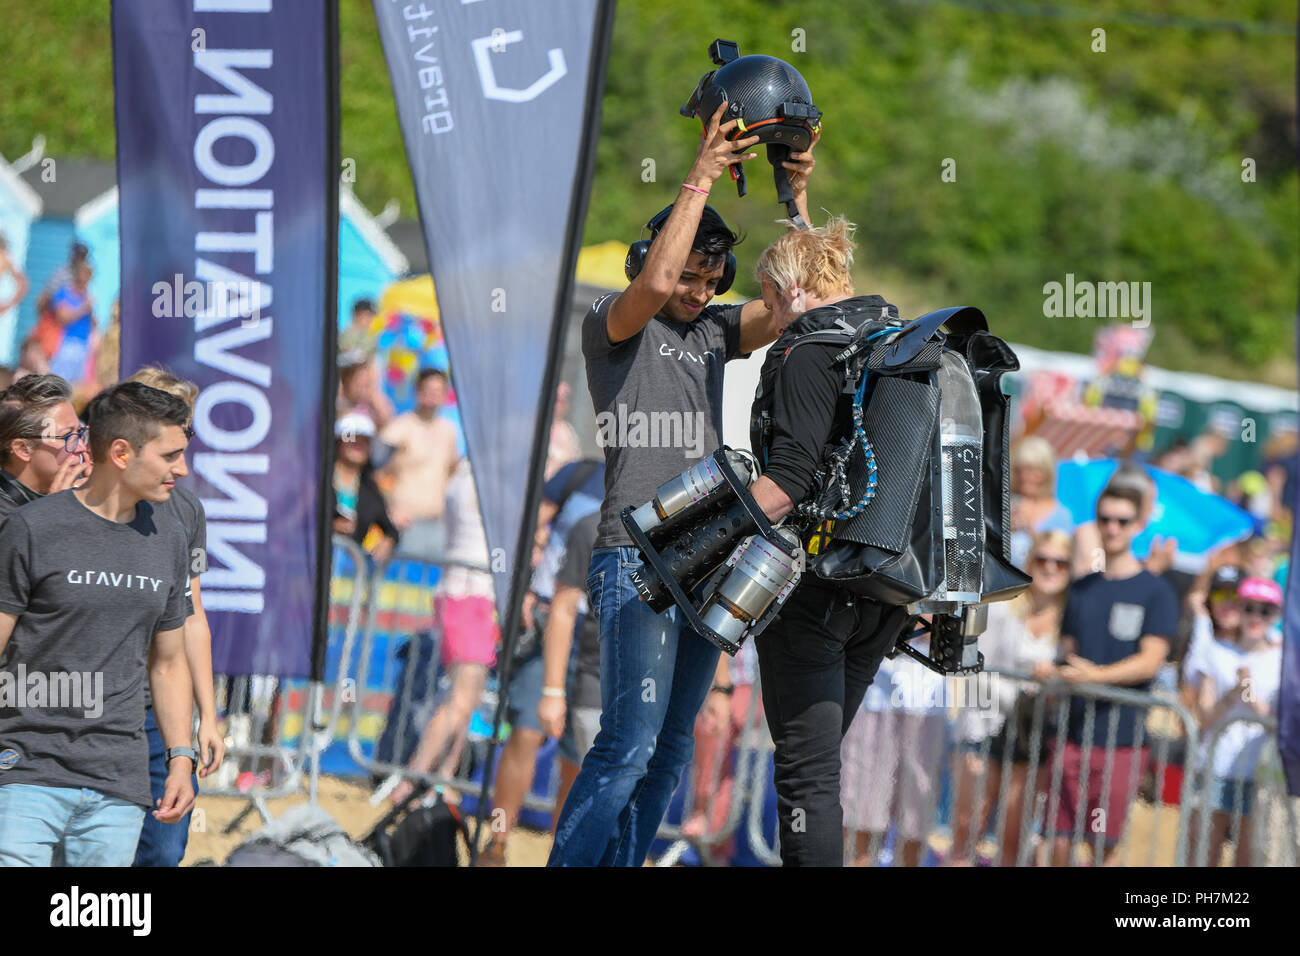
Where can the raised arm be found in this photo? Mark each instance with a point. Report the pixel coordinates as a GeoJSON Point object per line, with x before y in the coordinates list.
{"type": "Point", "coordinates": [645, 296]}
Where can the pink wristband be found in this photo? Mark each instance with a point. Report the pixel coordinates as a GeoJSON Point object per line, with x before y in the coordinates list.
{"type": "Point", "coordinates": [695, 189]}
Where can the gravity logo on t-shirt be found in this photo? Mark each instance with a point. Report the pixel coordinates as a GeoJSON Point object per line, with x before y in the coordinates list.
{"type": "Point", "coordinates": [680, 354]}
{"type": "Point", "coordinates": [1126, 621]}
{"type": "Point", "coordinates": [115, 579]}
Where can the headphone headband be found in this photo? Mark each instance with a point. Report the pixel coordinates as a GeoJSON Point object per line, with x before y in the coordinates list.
{"type": "Point", "coordinates": [637, 252]}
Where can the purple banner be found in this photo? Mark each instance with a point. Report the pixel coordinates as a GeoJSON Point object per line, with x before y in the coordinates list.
{"type": "Point", "coordinates": [224, 145]}
{"type": "Point", "coordinates": [1288, 698]}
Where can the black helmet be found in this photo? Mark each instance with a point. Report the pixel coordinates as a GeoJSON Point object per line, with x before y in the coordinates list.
{"type": "Point", "coordinates": [769, 98]}
{"type": "Point", "coordinates": [767, 95]}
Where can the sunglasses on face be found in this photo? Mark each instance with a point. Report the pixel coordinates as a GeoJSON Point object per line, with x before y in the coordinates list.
{"type": "Point", "coordinates": [1048, 564]}
{"type": "Point", "coordinates": [1262, 610]}
{"type": "Point", "coordinates": [71, 441]}
{"type": "Point", "coordinates": [1115, 519]}
{"type": "Point", "coordinates": [1223, 597]}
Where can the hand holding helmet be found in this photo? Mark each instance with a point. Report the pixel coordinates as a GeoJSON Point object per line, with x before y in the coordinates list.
{"type": "Point", "coordinates": [766, 97]}
{"type": "Point", "coordinates": [718, 150]}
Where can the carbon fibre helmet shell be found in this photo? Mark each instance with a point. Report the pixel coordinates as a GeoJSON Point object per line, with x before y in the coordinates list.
{"type": "Point", "coordinates": [769, 97]}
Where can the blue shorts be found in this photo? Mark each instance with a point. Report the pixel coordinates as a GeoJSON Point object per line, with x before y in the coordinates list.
{"type": "Point", "coordinates": [526, 693]}
{"type": "Point", "coordinates": [1227, 799]}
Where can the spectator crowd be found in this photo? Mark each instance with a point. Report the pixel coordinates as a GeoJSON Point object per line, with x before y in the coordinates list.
{"type": "Point", "coordinates": [1021, 767]}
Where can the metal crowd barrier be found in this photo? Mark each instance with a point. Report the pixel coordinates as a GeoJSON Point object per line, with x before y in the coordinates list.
{"type": "Point", "coordinates": [402, 698]}
{"type": "Point", "coordinates": [1168, 816]}
{"type": "Point", "coordinates": [375, 688]}
{"type": "Point", "coordinates": [401, 650]}
{"type": "Point", "coordinates": [1158, 741]}
{"type": "Point", "coordinates": [1043, 773]}
{"type": "Point", "coordinates": [739, 761]}
{"type": "Point", "coordinates": [275, 728]}
{"type": "Point", "coordinates": [1261, 810]}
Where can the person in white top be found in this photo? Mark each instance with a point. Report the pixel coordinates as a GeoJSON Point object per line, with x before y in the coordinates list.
{"type": "Point", "coordinates": [1236, 683]}
{"type": "Point", "coordinates": [1216, 616]}
{"type": "Point", "coordinates": [1021, 637]}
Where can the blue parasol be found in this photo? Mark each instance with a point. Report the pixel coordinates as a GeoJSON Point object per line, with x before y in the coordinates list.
{"type": "Point", "coordinates": [1201, 522]}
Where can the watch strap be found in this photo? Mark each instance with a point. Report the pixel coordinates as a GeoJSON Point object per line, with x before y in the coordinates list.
{"type": "Point", "coordinates": [190, 752]}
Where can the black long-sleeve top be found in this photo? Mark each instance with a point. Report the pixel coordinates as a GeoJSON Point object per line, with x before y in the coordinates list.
{"type": "Point", "coordinates": [803, 415]}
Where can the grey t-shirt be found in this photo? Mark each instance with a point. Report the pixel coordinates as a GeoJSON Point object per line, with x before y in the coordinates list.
{"type": "Point", "coordinates": [184, 507]}
{"type": "Point", "coordinates": [89, 593]}
{"type": "Point", "coordinates": [658, 402]}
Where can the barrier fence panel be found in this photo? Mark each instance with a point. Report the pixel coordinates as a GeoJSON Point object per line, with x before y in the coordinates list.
{"type": "Point", "coordinates": [1242, 798]}
{"type": "Point", "coordinates": [1027, 795]}
{"type": "Point", "coordinates": [268, 722]}
{"type": "Point", "coordinates": [397, 686]}
{"type": "Point", "coordinates": [718, 783]}
{"type": "Point", "coordinates": [1023, 790]}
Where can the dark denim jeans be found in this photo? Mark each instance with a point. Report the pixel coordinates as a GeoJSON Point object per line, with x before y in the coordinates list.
{"type": "Point", "coordinates": [161, 844]}
{"type": "Point", "coordinates": [654, 675]}
{"type": "Point", "coordinates": [816, 660]}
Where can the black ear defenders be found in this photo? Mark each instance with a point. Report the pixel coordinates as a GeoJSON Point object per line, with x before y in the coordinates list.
{"type": "Point", "coordinates": [637, 252]}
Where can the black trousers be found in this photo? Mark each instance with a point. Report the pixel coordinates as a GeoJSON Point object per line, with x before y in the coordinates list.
{"type": "Point", "coordinates": [816, 660]}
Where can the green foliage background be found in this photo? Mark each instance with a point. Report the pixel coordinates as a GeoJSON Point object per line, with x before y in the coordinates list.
{"type": "Point", "coordinates": [1115, 166]}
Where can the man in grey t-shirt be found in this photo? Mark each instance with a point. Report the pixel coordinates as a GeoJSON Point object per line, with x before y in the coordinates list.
{"type": "Point", "coordinates": [655, 354]}
{"type": "Point", "coordinates": [92, 602]}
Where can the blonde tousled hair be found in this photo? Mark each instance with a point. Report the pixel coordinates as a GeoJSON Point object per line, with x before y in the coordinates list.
{"type": "Point", "coordinates": [817, 260]}
{"type": "Point", "coordinates": [155, 376]}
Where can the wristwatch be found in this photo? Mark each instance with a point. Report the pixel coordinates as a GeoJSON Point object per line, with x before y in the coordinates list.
{"type": "Point", "coordinates": [190, 752]}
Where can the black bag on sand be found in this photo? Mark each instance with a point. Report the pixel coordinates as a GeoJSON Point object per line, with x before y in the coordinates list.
{"type": "Point", "coordinates": [419, 834]}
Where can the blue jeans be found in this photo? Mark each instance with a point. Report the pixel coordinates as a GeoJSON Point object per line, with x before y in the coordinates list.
{"type": "Point", "coordinates": [654, 675]}
{"type": "Point", "coordinates": [161, 844]}
{"type": "Point", "coordinates": [89, 828]}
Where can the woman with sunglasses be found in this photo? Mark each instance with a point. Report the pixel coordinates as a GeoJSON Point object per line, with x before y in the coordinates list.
{"type": "Point", "coordinates": [1021, 636]}
{"type": "Point", "coordinates": [1241, 680]}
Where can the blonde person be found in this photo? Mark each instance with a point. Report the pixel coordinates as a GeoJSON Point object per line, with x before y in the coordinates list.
{"type": "Point", "coordinates": [820, 653]}
{"type": "Point", "coordinates": [1034, 506]}
{"type": "Point", "coordinates": [162, 844]}
{"type": "Point", "coordinates": [1022, 637]}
